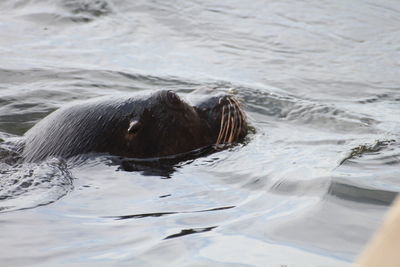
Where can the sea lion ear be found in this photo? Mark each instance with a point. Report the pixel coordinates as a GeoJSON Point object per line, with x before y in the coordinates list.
{"type": "Point", "coordinates": [134, 126]}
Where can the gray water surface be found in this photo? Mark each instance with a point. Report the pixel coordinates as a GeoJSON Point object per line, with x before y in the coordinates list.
{"type": "Point", "coordinates": [320, 84]}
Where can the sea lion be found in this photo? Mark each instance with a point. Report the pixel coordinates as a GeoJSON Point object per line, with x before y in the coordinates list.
{"type": "Point", "coordinates": [159, 125]}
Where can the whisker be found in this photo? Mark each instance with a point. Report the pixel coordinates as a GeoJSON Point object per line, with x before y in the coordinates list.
{"type": "Point", "coordinates": [228, 125]}
{"type": "Point", "coordinates": [239, 117]}
{"type": "Point", "coordinates": [230, 140]}
{"type": "Point", "coordinates": [232, 122]}
{"type": "Point", "coordinates": [233, 125]}
{"type": "Point", "coordinates": [225, 128]}
{"type": "Point", "coordinates": [242, 115]}
{"type": "Point", "coordinates": [239, 105]}
{"type": "Point", "coordinates": [221, 127]}
{"type": "Point", "coordinates": [223, 140]}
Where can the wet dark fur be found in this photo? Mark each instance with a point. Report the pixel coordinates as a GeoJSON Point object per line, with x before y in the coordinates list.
{"type": "Point", "coordinates": [158, 125]}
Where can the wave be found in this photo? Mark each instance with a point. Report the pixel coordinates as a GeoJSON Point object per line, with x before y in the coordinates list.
{"type": "Point", "coordinates": [27, 186]}
{"type": "Point", "coordinates": [306, 112]}
{"type": "Point", "coordinates": [59, 10]}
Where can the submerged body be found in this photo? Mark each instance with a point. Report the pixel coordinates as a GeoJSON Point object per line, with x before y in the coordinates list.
{"type": "Point", "coordinates": [161, 124]}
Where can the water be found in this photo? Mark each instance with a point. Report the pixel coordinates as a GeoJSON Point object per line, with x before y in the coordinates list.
{"type": "Point", "coordinates": [320, 83]}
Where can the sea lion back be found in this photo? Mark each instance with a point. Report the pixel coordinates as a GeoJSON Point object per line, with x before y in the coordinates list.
{"type": "Point", "coordinates": [75, 129]}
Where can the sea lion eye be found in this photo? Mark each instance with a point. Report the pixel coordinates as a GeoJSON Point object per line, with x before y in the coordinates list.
{"type": "Point", "coordinates": [173, 98]}
{"type": "Point", "coordinates": [134, 127]}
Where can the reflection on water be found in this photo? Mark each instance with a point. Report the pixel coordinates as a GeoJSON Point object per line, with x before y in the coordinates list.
{"type": "Point", "coordinates": [319, 82]}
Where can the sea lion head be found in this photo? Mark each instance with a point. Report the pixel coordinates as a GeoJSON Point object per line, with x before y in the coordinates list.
{"type": "Point", "coordinates": [168, 125]}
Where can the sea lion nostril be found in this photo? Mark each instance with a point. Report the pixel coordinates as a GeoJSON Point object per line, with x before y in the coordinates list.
{"type": "Point", "coordinates": [225, 100]}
